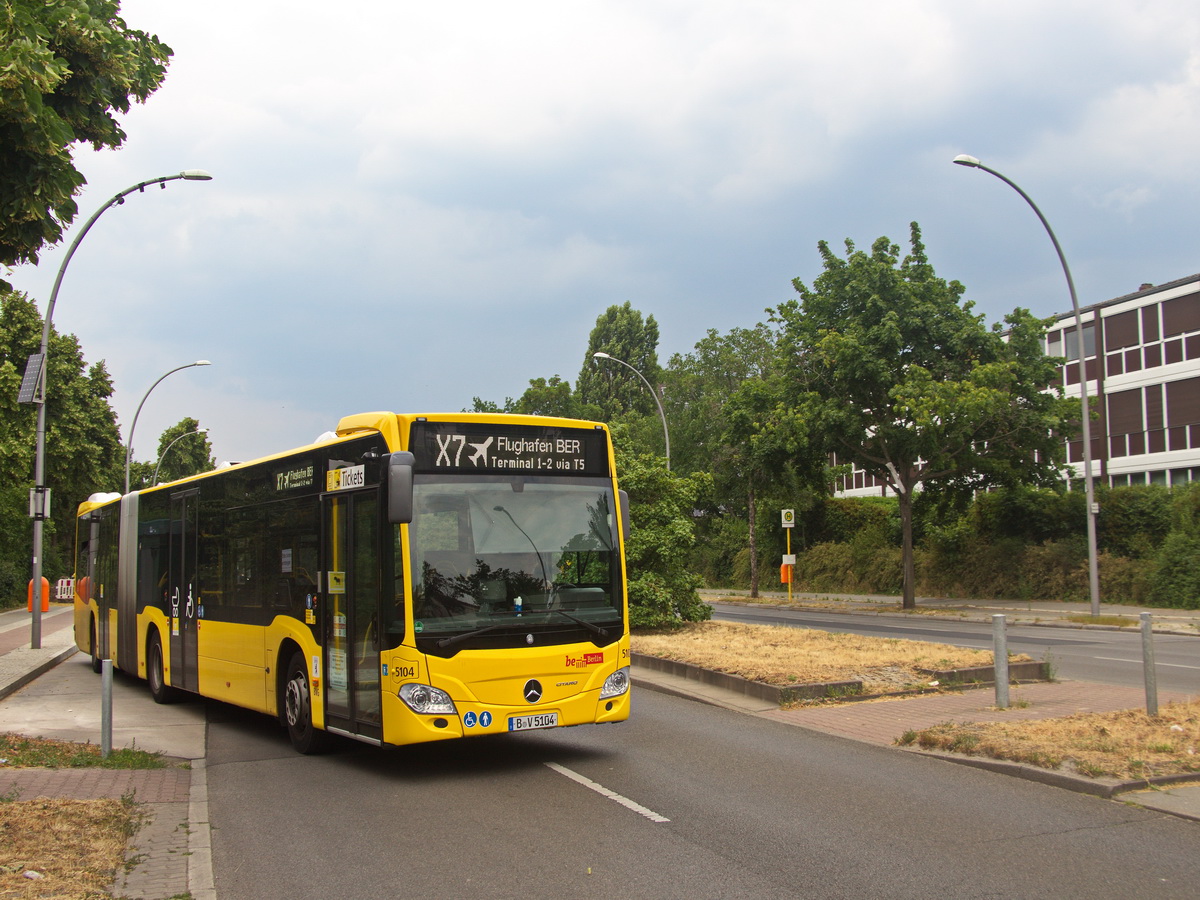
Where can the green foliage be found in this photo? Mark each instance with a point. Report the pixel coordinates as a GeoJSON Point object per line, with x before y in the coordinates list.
{"type": "Point", "coordinates": [67, 67]}
{"type": "Point", "coordinates": [844, 519]}
{"type": "Point", "coordinates": [891, 370]}
{"type": "Point", "coordinates": [861, 567]}
{"type": "Point", "coordinates": [1031, 513]}
{"type": "Point", "coordinates": [480, 405]}
{"type": "Point", "coordinates": [662, 586]}
{"type": "Point", "coordinates": [83, 449]}
{"type": "Point", "coordinates": [1134, 520]}
{"type": "Point", "coordinates": [725, 404]}
{"type": "Point", "coordinates": [1177, 578]}
{"type": "Point", "coordinates": [179, 455]}
{"type": "Point", "coordinates": [720, 555]}
{"type": "Point", "coordinates": [615, 390]}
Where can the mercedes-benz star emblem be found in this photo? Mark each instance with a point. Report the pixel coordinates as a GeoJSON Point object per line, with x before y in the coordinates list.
{"type": "Point", "coordinates": [533, 691]}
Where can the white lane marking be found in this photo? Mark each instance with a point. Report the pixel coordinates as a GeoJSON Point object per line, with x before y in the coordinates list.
{"type": "Point", "coordinates": [1139, 662]}
{"type": "Point", "coordinates": [605, 792]}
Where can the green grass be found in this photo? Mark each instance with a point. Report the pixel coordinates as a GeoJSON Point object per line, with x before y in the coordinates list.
{"type": "Point", "coordinates": [19, 751]}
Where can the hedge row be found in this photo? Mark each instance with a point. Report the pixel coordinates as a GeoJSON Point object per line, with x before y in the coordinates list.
{"type": "Point", "coordinates": [1023, 543]}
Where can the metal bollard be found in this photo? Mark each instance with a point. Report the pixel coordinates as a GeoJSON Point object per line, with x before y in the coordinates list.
{"type": "Point", "coordinates": [1148, 666]}
{"type": "Point", "coordinates": [1000, 654]}
{"type": "Point", "coordinates": [106, 685]}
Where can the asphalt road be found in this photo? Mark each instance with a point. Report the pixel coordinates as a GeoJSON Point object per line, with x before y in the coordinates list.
{"type": "Point", "coordinates": [1110, 657]}
{"type": "Point", "coordinates": [683, 801]}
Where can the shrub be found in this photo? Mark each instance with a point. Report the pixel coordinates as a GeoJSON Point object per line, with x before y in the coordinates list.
{"type": "Point", "coordinates": [842, 519]}
{"type": "Point", "coordinates": [1176, 580]}
{"type": "Point", "coordinates": [1134, 520]}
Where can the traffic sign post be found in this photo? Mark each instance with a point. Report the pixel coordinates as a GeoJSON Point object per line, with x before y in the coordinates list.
{"type": "Point", "coordinates": [789, 560]}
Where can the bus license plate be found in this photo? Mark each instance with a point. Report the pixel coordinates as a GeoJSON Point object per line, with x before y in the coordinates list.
{"type": "Point", "coordinates": [526, 723]}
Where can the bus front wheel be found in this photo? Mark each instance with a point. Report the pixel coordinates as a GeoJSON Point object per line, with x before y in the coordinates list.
{"type": "Point", "coordinates": [297, 708]}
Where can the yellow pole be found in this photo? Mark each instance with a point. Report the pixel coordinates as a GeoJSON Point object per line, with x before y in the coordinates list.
{"type": "Point", "coordinates": [791, 568]}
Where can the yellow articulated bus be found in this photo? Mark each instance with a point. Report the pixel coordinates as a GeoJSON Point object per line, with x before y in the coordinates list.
{"type": "Point", "coordinates": [408, 578]}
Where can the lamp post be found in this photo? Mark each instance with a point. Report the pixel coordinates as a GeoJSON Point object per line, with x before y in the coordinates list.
{"type": "Point", "coordinates": [1089, 489]}
{"type": "Point", "coordinates": [35, 377]}
{"type": "Point", "coordinates": [166, 449]}
{"type": "Point", "coordinates": [653, 393]}
{"type": "Point", "coordinates": [129, 443]}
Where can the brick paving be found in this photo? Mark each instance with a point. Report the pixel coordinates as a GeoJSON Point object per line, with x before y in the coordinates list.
{"type": "Point", "coordinates": [146, 785]}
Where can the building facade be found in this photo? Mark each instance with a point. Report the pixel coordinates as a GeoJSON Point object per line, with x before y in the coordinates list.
{"type": "Point", "coordinates": [1142, 360]}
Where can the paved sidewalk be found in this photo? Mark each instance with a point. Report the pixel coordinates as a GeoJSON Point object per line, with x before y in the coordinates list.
{"type": "Point", "coordinates": [52, 692]}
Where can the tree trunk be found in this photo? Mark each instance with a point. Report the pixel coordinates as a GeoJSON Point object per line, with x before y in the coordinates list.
{"type": "Point", "coordinates": [753, 545]}
{"type": "Point", "coordinates": [906, 549]}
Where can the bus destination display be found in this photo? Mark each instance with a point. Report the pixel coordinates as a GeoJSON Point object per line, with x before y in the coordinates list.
{"type": "Point", "coordinates": [514, 449]}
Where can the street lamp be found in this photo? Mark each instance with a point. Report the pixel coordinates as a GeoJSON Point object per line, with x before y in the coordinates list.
{"type": "Point", "coordinates": [129, 442]}
{"type": "Point", "coordinates": [653, 393]}
{"type": "Point", "coordinates": [33, 390]}
{"type": "Point", "coordinates": [1089, 490]}
{"type": "Point", "coordinates": [154, 480]}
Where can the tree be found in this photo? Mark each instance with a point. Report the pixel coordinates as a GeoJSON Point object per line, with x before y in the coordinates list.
{"type": "Point", "coordinates": [895, 373]}
{"type": "Point", "coordinates": [725, 402]}
{"type": "Point", "coordinates": [662, 586]}
{"type": "Point", "coordinates": [479, 405]}
{"type": "Point", "coordinates": [549, 398]}
{"type": "Point", "coordinates": [178, 456]}
{"type": "Point", "coordinates": [66, 68]}
{"type": "Point", "coordinates": [84, 453]}
{"type": "Point", "coordinates": [612, 388]}
{"type": "Point", "coordinates": [699, 385]}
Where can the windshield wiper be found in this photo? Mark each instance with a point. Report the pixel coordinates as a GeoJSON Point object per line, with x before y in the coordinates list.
{"type": "Point", "coordinates": [459, 638]}
{"type": "Point", "coordinates": [590, 626]}
{"type": "Point", "coordinates": [467, 635]}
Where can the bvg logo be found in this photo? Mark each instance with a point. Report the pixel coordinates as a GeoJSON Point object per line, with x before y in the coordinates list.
{"type": "Point", "coordinates": [588, 659]}
{"type": "Point", "coordinates": [455, 444]}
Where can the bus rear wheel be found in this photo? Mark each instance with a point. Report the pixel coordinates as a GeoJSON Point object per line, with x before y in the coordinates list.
{"type": "Point", "coordinates": [297, 709]}
{"type": "Point", "coordinates": [156, 674]}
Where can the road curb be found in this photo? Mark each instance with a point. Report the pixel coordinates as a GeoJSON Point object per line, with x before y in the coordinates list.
{"type": "Point", "coordinates": [1106, 788]}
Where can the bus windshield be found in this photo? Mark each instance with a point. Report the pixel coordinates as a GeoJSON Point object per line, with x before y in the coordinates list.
{"type": "Point", "coordinates": [493, 556]}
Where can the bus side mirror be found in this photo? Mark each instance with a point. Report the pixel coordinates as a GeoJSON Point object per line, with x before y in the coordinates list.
{"type": "Point", "coordinates": [400, 487]}
{"type": "Point", "coordinates": [624, 501]}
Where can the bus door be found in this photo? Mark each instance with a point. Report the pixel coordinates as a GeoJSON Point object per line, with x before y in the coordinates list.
{"type": "Point", "coordinates": [183, 595]}
{"type": "Point", "coordinates": [350, 546]}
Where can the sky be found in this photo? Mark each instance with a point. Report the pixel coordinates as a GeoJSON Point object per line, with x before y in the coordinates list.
{"type": "Point", "coordinates": [416, 204]}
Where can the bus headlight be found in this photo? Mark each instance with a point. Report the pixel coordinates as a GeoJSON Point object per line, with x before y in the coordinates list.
{"type": "Point", "coordinates": [615, 684]}
{"type": "Point", "coordinates": [421, 698]}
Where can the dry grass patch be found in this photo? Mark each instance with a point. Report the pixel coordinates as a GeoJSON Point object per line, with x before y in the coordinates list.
{"type": "Point", "coordinates": [1124, 744]}
{"type": "Point", "coordinates": [72, 848]}
{"type": "Point", "coordinates": [784, 656]}
{"type": "Point", "coordinates": [69, 848]}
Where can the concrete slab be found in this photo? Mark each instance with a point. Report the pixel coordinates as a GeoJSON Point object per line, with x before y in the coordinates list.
{"type": "Point", "coordinates": [66, 703]}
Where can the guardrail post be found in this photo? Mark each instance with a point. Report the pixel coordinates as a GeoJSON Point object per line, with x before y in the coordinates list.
{"type": "Point", "coordinates": [1000, 660]}
{"type": "Point", "coordinates": [1148, 666]}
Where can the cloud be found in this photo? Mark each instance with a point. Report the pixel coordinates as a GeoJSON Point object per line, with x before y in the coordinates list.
{"type": "Point", "coordinates": [417, 204]}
